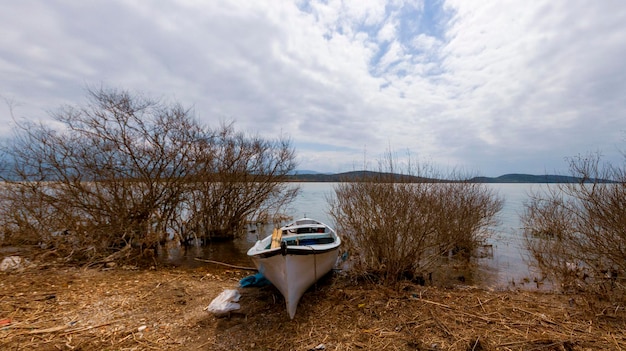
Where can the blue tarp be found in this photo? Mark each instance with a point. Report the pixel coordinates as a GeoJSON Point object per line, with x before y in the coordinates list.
{"type": "Point", "coordinates": [257, 280]}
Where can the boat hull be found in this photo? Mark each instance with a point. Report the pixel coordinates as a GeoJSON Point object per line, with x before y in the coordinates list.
{"type": "Point", "coordinates": [294, 273]}
{"type": "Point", "coordinates": [295, 256]}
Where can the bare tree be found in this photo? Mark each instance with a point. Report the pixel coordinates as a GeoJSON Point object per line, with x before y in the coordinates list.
{"type": "Point", "coordinates": [111, 177]}
{"type": "Point", "coordinates": [126, 171]}
{"type": "Point", "coordinates": [243, 176]}
{"type": "Point", "coordinates": [576, 232]}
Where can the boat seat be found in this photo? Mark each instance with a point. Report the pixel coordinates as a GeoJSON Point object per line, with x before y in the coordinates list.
{"type": "Point", "coordinates": [308, 239]}
{"type": "Point", "coordinates": [306, 236]}
{"type": "Point", "coordinates": [305, 230]}
{"type": "Point", "coordinates": [318, 241]}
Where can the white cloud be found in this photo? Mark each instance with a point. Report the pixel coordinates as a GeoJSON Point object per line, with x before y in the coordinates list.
{"type": "Point", "coordinates": [503, 86]}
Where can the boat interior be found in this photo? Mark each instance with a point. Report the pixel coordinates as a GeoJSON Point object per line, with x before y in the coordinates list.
{"type": "Point", "coordinates": [308, 239]}
{"type": "Point", "coordinates": [306, 236]}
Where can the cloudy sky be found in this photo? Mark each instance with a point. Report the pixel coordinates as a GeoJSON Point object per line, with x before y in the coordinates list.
{"type": "Point", "coordinates": [490, 87]}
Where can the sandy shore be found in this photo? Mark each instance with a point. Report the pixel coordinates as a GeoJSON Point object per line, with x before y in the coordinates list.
{"type": "Point", "coordinates": [55, 307]}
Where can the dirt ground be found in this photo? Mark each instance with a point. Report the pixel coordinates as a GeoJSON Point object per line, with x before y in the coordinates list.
{"type": "Point", "coordinates": [56, 307]}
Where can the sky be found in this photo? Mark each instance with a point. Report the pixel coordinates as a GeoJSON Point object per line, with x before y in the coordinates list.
{"type": "Point", "coordinates": [484, 87]}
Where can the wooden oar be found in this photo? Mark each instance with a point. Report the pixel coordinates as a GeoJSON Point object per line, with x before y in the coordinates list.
{"type": "Point", "coordinates": [276, 238]}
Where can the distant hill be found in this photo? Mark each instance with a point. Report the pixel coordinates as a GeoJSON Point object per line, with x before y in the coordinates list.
{"type": "Point", "coordinates": [313, 176]}
{"type": "Point", "coordinates": [348, 176]}
{"type": "Point", "coordinates": [527, 178]}
{"type": "Point", "coordinates": [304, 171]}
{"type": "Point", "coordinates": [359, 175]}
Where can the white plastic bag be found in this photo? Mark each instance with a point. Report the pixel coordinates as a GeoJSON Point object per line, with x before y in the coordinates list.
{"type": "Point", "coordinates": [225, 302]}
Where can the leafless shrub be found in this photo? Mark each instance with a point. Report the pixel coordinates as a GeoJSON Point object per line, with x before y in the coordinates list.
{"type": "Point", "coordinates": [466, 213]}
{"type": "Point", "coordinates": [244, 176]}
{"type": "Point", "coordinates": [108, 176]}
{"type": "Point", "coordinates": [399, 227]}
{"type": "Point", "coordinates": [128, 171]}
{"type": "Point", "coordinates": [576, 232]}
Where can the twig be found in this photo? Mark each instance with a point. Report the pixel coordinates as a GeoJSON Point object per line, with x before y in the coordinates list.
{"type": "Point", "coordinates": [481, 304]}
{"type": "Point", "coordinates": [226, 264]}
{"type": "Point", "coordinates": [523, 342]}
{"type": "Point", "coordinates": [63, 328]}
{"type": "Point", "coordinates": [615, 341]}
{"type": "Point", "coordinates": [488, 320]}
{"type": "Point", "coordinates": [541, 316]}
{"type": "Point", "coordinates": [435, 303]}
{"type": "Point", "coordinates": [477, 340]}
{"type": "Point", "coordinates": [441, 325]}
{"type": "Point", "coordinates": [47, 330]}
{"type": "Point", "coordinates": [112, 257]}
{"type": "Point", "coordinates": [89, 327]}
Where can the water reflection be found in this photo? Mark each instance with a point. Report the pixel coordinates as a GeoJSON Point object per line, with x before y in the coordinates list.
{"type": "Point", "coordinates": [230, 252]}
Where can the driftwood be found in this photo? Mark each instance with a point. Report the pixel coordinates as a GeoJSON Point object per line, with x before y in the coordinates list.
{"type": "Point", "coordinates": [226, 264]}
{"type": "Point", "coordinates": [123, 253]}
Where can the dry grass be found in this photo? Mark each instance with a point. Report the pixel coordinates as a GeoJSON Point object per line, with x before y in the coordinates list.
{"type": "Point", "coordinates": [50, 307]}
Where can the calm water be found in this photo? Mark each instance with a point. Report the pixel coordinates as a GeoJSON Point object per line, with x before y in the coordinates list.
{"type": "Point", "coordinates": [506, 268]}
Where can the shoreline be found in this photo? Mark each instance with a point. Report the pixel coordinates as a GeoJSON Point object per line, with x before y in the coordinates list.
{"type": "Point", "coordinates": [52, 306]}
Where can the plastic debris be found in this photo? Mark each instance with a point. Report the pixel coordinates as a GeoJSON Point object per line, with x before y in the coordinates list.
{"type": "Point", "coordinates": [257, 280]}
{"type": "Point", "coordinates": [225, 302]}
{"type": "Point", "coordinates": [11, 263]}
{"type": "Point", "coordinates": [5, 323]}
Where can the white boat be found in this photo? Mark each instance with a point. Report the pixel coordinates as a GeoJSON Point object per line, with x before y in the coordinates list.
{"type": "Point", "coordinates": [295, 256]}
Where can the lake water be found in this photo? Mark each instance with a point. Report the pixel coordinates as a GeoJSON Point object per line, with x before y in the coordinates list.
{"type": "Point", "coordinates": [505, 268]}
